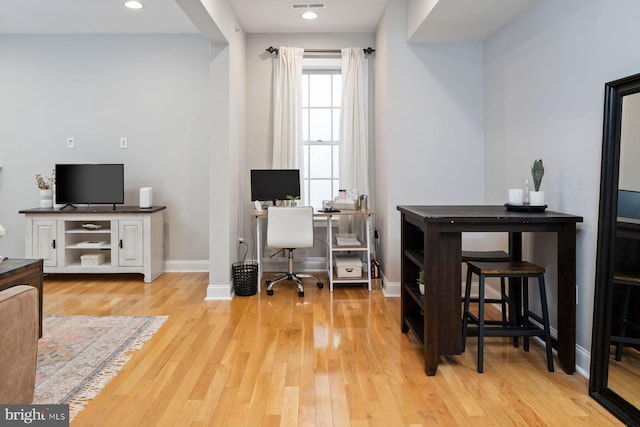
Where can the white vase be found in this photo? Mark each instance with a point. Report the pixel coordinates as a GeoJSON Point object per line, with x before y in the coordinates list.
{"type": "Point", "coordinates": [46, 198]}
{"type": "Point", "coordinates": [536, 198]}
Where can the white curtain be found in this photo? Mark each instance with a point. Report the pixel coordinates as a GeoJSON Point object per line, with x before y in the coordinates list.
{"type": "Point", "coordinates": [354, 142]}
{"type": "Point", "coordinates": [287, 117]}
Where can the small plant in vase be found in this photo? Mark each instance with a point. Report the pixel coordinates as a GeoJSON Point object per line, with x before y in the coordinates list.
{"type": "Point", "coordinates": [293, 200]}
{"type": "Point", "coordinates": [421, 282]}
{"type": "Point", "coordinates": [536, 198]}
{"type": "Point", "coordinates": [45, 185]}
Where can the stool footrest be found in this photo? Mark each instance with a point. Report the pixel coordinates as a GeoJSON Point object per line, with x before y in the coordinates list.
{"type": "Point", "coordinates": [507, 332]}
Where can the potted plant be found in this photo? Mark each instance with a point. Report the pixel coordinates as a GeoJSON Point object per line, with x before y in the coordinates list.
{"type": "Point", "coordinates": [293, 200]}
{"type": "Point", "coordinates": [421, 282]}
{"type": "Point", "coordinates": [45, 185]}
{"type": "Point", "coordinates": [536, 198]}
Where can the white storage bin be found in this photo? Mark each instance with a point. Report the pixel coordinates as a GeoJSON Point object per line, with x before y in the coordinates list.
{"type": "Point", "coordinates": [347, 240]}
{"type": "Point", "coordinates": [90, 260]}
{"type": "Point", "coordinates": [345, 204]}
{"type": "Point", "coordinates": [348, 266]}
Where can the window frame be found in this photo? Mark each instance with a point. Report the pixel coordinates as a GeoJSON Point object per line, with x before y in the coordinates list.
{"type": "Point", "coordinates": [322, 66]}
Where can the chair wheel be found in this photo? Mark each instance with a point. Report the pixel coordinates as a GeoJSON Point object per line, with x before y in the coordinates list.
{"type": "Point", "coordinates": [301, 294]}
{"type": "Point", "coordinates": [269, 291]}
{"type": "Point", "coordinates": [320, 285]}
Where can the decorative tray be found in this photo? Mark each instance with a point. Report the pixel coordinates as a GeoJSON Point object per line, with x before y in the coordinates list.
{"type": "Point", "coordinates": [90, 226]}
{"type": "Point", "coordinates": [525, 208]}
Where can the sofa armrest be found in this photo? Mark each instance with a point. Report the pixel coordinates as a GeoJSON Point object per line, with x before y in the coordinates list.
{"type": "Point", "coordinates": [19, 338]}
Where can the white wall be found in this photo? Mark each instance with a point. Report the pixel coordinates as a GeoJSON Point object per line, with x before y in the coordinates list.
{"type": "Point", "coordinates": [226, 144]}
{"type": "Point", "coordinates": [544, 85]}
{"type": "Point", "coordinates": [98, 88]}
{"type": "Point", "coordinates": [429, 129]}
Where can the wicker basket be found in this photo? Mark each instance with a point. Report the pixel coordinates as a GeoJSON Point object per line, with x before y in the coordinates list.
{"type": "Point", "coordinates": [245, 278]}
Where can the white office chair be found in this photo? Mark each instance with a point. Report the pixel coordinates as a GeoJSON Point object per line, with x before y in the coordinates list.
{"type": "Point", "coordinates": [290, 228]}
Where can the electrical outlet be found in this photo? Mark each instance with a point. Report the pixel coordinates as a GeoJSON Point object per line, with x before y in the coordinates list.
{"type": "Point", "coordinates": [123, 142]}
{"type": "Point", "coordinates": [71, 142]}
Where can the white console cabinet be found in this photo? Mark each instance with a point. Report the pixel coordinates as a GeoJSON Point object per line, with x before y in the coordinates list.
{"type": "Point", "coordinates": [97, 239]}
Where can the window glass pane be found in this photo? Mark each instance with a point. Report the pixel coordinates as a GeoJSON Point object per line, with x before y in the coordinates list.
{"type": "Point", "coordinates": [305, 166]}
{"type": "Point", "coordinates": [336, 124]}
{"type": "Point", "coordinates": [336, 161]}
{"type": "Point", "coordinates": [320, 93]}
{"type": "Point", "coordinates": [305, 90]}
{"type": "Point", "coordinates": [320, 161]}
{"type": "Point", "coordinates": [320, 124]}
{"type": "Point", "coordinates": [337, 90]}
{"type": "Point", "coordinates": [336, 185]}
{"type": "Point", "coordinates": [319, 190]}
{"type": "Point", "coordinates": [305, 124]}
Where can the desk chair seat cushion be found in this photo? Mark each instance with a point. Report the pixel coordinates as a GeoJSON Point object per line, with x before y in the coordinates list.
{"type": "Point", "coordinates": [290, 227]}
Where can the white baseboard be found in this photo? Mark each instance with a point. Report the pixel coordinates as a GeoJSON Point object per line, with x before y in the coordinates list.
{"type": "Point", "coordinates": [219, 292]}
{"type": "Point", "coordinates": [306, 265]}
{"type": "Point", "coordinates": [186, 266]}
{"type": "Point", "coordinates": [390, 289]}
{"type": "Point", "coordinates": [583, 361]}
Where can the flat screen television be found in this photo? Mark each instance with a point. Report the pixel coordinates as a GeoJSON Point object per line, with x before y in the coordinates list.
{"type": "Point", "coordinates": [90, 184]}
{"type": "Point", "coordinates": [274, 184]}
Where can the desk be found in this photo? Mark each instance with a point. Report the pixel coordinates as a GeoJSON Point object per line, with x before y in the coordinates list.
{"type": "Point", "coordinates": [332, 247]}
{"type": "Point", "coordinates": [431, 240]}
{"type": "Point", "coordinates": [14, 272]}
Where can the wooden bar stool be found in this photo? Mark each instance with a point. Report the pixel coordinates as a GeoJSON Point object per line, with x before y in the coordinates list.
{"type": "Point", "coordinates": [489, 256]}
{"type": "Point", "coordinates": [629, 281]}
{"type": "Point", "coordinates": [523, 270]}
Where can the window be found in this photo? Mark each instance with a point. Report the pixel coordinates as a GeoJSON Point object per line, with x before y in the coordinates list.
{"type": "Point", "coordinates": [321, 97]}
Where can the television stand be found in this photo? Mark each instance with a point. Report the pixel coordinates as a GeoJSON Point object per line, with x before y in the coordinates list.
{"type": "Point", "coordinates": [97, 239]}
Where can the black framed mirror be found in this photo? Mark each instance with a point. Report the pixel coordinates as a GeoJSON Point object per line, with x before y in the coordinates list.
{"type": "Point", "coordinates": [615, 377]}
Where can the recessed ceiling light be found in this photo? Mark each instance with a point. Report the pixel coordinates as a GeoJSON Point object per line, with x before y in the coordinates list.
{"type": "Point", "coordinates": [133, 4]}
{"type": "Point", "coordinates": [309, 15]}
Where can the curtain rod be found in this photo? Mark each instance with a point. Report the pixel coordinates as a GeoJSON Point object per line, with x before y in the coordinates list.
{"type": "Point", "coordinates": [367, 51]}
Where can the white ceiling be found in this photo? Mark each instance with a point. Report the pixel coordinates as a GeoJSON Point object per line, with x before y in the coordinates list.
{"type": "Point", "coordinates": [449, 20]}
{"type": "Point", "coordinates": [337, 16]}
{"type": "Point", "coordinates": [91, 16]}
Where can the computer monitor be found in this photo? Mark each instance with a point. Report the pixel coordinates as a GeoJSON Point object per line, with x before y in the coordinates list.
{"type": "Point", "coordinates": [274, 184]}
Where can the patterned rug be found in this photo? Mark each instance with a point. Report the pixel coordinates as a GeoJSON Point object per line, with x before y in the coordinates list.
{"type": "Point", "coordinates": [79, 355]}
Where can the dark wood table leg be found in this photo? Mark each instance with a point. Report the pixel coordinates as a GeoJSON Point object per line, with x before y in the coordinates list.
{"type": "Point", "coordinates": [443, 278]}
{"type": "Point", "coordinates": [566, 303]}
{"type": "Point", "coordinates": [515, 284]}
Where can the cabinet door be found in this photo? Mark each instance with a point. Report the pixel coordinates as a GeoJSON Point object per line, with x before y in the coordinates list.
{"type": "Point", "coordinates": [44, 242]}
{"type": "Point", "coordinates": [130, 246]}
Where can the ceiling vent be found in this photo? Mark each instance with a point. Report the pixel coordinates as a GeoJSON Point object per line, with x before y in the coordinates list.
{"type": "Point", "coordinates": [298, 6]}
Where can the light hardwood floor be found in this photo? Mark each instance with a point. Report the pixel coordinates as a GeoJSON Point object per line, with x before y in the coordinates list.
{"type": "Point", "coordinates": [328, 359]}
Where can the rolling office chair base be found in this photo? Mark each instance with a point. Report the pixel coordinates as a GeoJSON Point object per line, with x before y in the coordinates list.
{"type": "Point", "coordinates": [295, 278]}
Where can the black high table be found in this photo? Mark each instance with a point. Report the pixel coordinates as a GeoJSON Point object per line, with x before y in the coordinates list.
{"type": "Point", "coordinates": [431, 239]}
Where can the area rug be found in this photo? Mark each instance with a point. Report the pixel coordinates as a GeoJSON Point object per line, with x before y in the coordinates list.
{"type": "Point", "coordinates": [79, 355]}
